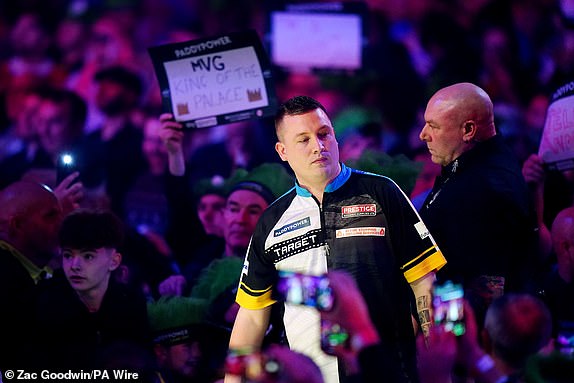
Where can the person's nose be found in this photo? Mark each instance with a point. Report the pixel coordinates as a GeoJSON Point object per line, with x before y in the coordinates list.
{"type": "Point", "coordinates": [318, 145]}
{"type": "Point", "coordinates": [423, 136]}
{"type": "Point", "coordinates": [75, 263]}
{"type": "Point", "coordinates": [242, 216]}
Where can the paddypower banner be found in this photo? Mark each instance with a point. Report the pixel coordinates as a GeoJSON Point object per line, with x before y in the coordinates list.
{"type": "Point", "coordinates": [215, 81]}
{"type": "Point", "coordinates": [557, 144]}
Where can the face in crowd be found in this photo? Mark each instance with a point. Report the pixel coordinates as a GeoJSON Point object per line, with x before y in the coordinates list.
{"type": "Point", "coordinates": [89, 269]}
{"type": "Point", "coordinates": [210, 211]}
{"type": "Point", "coordinates": [242, 211]}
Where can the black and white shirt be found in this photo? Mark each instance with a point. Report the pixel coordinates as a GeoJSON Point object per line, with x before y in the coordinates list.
{"type": "Point", "coordinates": [366, 226]}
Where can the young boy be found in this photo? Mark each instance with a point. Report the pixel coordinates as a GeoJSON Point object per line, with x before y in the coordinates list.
{"type": "Point", "coordinates": [84, 311]}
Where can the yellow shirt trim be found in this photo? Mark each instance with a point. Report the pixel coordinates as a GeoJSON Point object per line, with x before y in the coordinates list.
{"type": "Point", "coordinates": [253, 302]}
{"type": "Point", "coordinates": [417, 258]}
{"type": "Point", "coordinates": [433, 263]}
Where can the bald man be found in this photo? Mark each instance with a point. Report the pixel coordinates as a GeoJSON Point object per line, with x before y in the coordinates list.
{"type": "Point", "coordinates": [30, 216]}
{"type": "Point", "coordinates": [559, 283]}
{"type": "Point", "coordinates": [478, 211]}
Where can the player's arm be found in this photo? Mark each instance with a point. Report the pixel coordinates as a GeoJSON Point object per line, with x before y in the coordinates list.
{"type": "Point", "coordinates": [249, 327]}
{"type": "Point", "coordinates": [422, 289]}
{"type": "Point", "coordinates": [248, 332]}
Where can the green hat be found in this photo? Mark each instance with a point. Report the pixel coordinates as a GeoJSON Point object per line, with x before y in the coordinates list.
{"type": "Point", "coordinates": [174, 320]}
{"type": "Point", "coordinates": [270, 180]}
{"type": "Point", "coordinates": [219, 276]}
{"type": "Point", "coordinates": [399, 168]}
{"type": "Point", "coordinates": [212, 185]}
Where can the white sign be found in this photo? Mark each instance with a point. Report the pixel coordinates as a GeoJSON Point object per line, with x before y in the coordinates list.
{"type": "Point", "coordinates": [214, 84]}
{"type": "Point", "coordinates": [557, 144]}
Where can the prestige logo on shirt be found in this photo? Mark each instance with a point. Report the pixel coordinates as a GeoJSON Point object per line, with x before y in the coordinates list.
{"type": "Point", "coordinates": [358, 210]}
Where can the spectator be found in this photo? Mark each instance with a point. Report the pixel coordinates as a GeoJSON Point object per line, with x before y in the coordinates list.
{"type": "Point", "coordinates": [117, 96]}
{"type": "Point", "coordinates": [479, 209]}
{"type": "Point", "coordinates": [186, 348]}
{"type": "Point", "coordinates": [558, 287]}
{"type": "Point", "coordinates": [59, 118]}
{"type": "Point", "coordinates": [516, 327]}
{"type": "Point", "coordinates": [245, 203]}
{"type": "Point", "coordinates": [83, 310]}
{"type": "Point", "coordinates": [30, 216]}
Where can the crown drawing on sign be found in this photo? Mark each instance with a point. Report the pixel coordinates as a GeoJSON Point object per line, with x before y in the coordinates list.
{"type": "Point", "coordinates": [254, 95]}
{"type": "Point", "coordinates": [182, 109]}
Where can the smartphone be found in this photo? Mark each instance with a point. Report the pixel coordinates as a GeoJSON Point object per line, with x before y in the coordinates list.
{"type": "Point", "coordinates": [66, 165]}
{"type": "Point", "coordinates": [448, 305]}
{"type": "Point", "coordinates": [565, 339]}
{"type": "Point", "coordinates": [333, 337]}
{"type": "Point", "coordinates": [250, 364]}
{"type": "Point", "coordinates": [308, 290]}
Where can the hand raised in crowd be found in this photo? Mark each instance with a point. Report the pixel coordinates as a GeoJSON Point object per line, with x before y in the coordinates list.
{"type": "Point", "coordinates": [69, 193]}
{"type": "Point", "coordinates": [173, 285]}
{"type": "Point", "coordinates": [171, 133]}
{"type": "Point", "coordinates": [350, 311]}
{"type": "Point", "coordinates": [293, 367]}
{"type": "Point", "coordinates": [438, 354]}
{"type": "Point", "coordinates": [533, 169]}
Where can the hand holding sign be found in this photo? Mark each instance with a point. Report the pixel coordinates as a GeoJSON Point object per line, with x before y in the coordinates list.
{"type": "Point", "coordinates": [215, 81]}
{"type": "Point", "coordinates": [557, 144]}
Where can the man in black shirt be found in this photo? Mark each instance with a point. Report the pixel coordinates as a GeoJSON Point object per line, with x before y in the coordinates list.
{"type": "Point", "coordinates": [479, 210]}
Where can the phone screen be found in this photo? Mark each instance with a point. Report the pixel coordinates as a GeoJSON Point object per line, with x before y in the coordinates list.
{"type": "Point", "coordinates": [448, 305]}
{"type": "Point", "coordinates": [333, 336]}
{"type": "Point", "coordinates": [308, 290]}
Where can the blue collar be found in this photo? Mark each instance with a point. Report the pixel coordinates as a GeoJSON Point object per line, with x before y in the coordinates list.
{"type": "Point", "coordinates": [341, 178]}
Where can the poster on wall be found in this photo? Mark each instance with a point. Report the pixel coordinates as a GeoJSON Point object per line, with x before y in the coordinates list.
{"type": "Point", "coordinates": [215, 81]}
{"type": "Point", "coordinates": [557, 143]}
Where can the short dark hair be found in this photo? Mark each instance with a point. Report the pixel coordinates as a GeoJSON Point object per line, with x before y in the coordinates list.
{"type": "Point", "coordinates": [91, 229]}
{"type": "Point", "coordinates": [295, 106]}
{"type": "Point", "coordinates": [516, 337]}
{"type": "Point", "coordinates": [122, 76]}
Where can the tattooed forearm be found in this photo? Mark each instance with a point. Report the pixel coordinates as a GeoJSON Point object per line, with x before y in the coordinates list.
{"type": "Point", "coordinates": [423, 310]}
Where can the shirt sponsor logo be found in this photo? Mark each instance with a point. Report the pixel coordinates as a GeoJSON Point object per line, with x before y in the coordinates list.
{"type": "Point", "coordinates": [292, 226]}
{"type": "Point", "coordinates": [422, 229]}
{"type": "Point", "coordinates": [358, 210]}
{"type": "Point", "coordinates": [290, 247]}
{"type": "Point", "coordinates": [245, 268]}
{"type": "Point", "coordinates": [360, 232]}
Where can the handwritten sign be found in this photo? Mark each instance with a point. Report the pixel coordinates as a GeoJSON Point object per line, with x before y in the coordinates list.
{"type": "Point", "coordinates": [215, 81]}
{"type": "Point", "coordinates": [557, 144]}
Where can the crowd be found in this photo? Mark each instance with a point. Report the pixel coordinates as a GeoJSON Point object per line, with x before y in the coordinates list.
{"type": "Point", "coordinates": [159, 253]}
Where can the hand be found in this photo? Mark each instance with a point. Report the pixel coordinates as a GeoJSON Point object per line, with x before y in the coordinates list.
{"type": "Point", "coordinates": [349, 309]}
{"type": "Point", "coordinates": [533, 169]}
{"type": "Point", "coordinates": [173, 285]}
{"type": "Point", "coordinates": [350, 312]}
{"type": "Point", "coordinates": [468, 342]}
{"type": "Point", "coordinates": [294, 367]}
{"type": "Point", "coordinates": [69, 193]}
{"type": "Point", "coordinates": [436, 355]}
{"type": "Point", "coordinates": [171, 133]}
